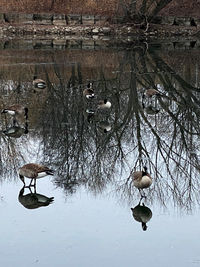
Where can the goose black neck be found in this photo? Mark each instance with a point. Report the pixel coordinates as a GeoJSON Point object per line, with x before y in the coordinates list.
{"type": "Point", "coordinates": [144, 226]}
{"type": "Point", "coordinates": [144, 172]}
{"type": "Point", "coordinates": [26, 113]}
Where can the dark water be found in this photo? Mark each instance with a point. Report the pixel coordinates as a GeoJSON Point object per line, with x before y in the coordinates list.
{"type": "Point", "coordinates": [90, 221]}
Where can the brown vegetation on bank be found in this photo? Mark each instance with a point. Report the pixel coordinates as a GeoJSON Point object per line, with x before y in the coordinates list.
{"type": "Point", "coordinates": [93, 7]}
{"type": "Point", "coordinates": [182, 8]}
{"type": "Point", "coordinates": [103, 7]}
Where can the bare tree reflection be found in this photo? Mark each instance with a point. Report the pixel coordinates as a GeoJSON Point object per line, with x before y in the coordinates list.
{"type": "Point", "coordinates": [106, 148]}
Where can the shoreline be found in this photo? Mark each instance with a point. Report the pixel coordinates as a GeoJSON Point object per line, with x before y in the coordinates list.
{"type": "Point", "coordinates": [74, 42]}
{"type": "Point", "coordinates": [109, 30]}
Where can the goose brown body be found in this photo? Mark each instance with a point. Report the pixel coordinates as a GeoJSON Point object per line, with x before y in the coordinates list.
{"type": "Point", "coordinates": [34, 171]}
{"type": "Point", "coordinates": [104, 104]}
{"type": "Point", "coordinates": [142, 179]}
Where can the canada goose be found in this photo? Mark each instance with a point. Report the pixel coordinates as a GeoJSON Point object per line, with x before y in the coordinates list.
{"type": "Point", "coordinates": [34, 200]}
{"type": "Point", "coordinates": [105, 126]}
{"type": "Point", "coordinates": [33, 171]}
{"type": "Point", "coordinates": [39, 83]}
{"type": "Point", "coordinates": [104, 104]}
{"type": "Point", "coordinates": [16, 111]}
{"type": "Point", "coordinates": [88, 92]}
{"type": "Point", "coordinates": [142, 179]}
{"type": "Point", "coordinates": [142, 214]}
{"type": "Point", "coordinates": [16, 131]}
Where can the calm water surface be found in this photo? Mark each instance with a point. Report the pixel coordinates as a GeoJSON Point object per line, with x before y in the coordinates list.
{"type": "Point", "coordinates": [90, 221]}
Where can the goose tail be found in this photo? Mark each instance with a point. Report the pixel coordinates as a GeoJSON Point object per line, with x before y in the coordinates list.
{"type": "Point", "coordinates": [51, 199]}
{"type": "Point", "coordinates": [50, 172]}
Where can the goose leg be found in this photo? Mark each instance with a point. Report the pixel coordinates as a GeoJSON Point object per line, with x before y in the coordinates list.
{"type": "Point", "coordinates": [34, 189]}
{"type": "Point", "coordinates": [142, 194]}
{"type": "Point", "coordinates": [30, 183]}
{"type": "Point", "coordinates": [30, 190]}
{"type": "Point", "coordinates": [14, 121]}
{"type": "Point", "coordinates": [141, 198]}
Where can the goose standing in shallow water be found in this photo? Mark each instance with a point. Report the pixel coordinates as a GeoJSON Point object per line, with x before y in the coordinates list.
{"type": "Point", "coordinates": [104, 104]}
{"type": "Point", "coordinates": [88, 92]}
{"type": "Point", "coordinates": [33, 171]}
{"type": "Point", "coordinates": [142, 179]}
{"type": "Point", "coordinates": [39, 83]}
{"type": "Point", "coordinates": [16, 111]}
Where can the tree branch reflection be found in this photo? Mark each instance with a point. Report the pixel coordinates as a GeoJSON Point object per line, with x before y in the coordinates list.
{"type": "Point", "coordinates": [84, 155]}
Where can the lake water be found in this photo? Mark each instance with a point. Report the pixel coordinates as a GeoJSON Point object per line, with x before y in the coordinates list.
{"type": "Point", "coordinates": [90, 221]}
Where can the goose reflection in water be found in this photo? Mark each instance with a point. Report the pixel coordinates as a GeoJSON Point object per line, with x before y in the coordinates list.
{"type": "Point", "coordinates": [88, 92]}
{"type": "Point", "coordinates": [34, 200]}
{"type": "Point", "coordinates": [38, 84]}
{"type": "Point", "coordinates": [16, 131]}
{"type": "Point", "coordinates": [142, 214]}
{"type": "Point", "coordinates": [89, 115]}
{"type": "Point", "coordinates": [150, 109]}
{"type": "Point", "coordinates": [18, 112]}
{"type": "Point", "coordinates": [105, 126]}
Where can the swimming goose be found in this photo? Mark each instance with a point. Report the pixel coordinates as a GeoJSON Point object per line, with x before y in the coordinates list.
{"type": "Point", "coordinates": [39, 83]}
{"type": "Point", "coordinates": [142, 214]}
{"type": "Point", "coordinates": [88, 92]}
{"type": "Point", "coordinates": [34, 200]}
{"type": "Point", "coordinates": [104, 104]}
{"type": "Point", "coordinates": [142, 179]}
{"type": "Point", "coordinates": [33, 171]}
{"type": "Point", "coordinates": [16, 111]}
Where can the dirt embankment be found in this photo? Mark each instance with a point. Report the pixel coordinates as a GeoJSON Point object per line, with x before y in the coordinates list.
{"type": "Point", "coordinates": [94, 7]}
{"type": "Point", "coordinates": [190, 8]}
